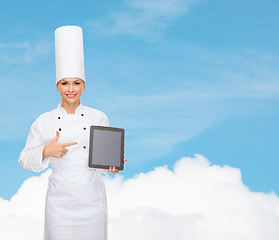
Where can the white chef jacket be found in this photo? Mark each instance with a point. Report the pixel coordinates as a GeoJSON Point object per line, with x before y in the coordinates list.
{"type": "Point", "coordinates": [76, 205]}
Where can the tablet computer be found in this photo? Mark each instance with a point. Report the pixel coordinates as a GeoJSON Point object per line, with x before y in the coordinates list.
{"type": "Point", "coordinates": [106, 147]}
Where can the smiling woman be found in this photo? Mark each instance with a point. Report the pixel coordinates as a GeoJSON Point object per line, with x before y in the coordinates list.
{"type": "Point", "coordinates": [70, 90]}
{"type": "Point", "coordinates": [76, 205]}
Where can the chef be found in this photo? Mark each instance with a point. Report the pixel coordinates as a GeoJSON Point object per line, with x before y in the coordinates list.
{"type": "Point", "coordinates": [76, 205]}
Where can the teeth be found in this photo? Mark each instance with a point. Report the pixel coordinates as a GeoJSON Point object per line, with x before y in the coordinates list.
{"type": "Point", "coordinates": [70, 95]}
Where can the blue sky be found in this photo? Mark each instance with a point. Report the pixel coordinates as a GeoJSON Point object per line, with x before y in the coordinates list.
{"type": "Point", "coordinates": [182, 77]}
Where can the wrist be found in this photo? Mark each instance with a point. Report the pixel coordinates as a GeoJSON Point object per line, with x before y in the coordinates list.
{"type": "Point", "coordinates": [45, 152]}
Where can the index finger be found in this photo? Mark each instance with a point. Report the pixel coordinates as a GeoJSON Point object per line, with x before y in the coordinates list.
{"type": "Point", "coordinates": [68, 144]}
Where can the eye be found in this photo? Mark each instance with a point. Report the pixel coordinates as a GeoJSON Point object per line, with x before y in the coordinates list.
{"type": "Point", "coordinates": [64, 83]}
{"type": "Point", "coordinates": [77, 83]}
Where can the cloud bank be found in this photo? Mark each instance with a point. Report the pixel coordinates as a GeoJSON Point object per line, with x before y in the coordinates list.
{"type": "Point", "coordinates": [194, 200]}
{"type": "Point", "coordinates": [23, 216]}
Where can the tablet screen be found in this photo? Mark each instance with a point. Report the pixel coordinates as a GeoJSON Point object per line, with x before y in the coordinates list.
{"type": "Point", "coordinates": [106, 147]}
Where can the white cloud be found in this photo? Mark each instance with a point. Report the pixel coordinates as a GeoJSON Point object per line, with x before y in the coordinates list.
{"type": "Point", "coordinates": [143, 18]}
{"type": "Point", "coordinates": [195, 200]}
{"type": "Point", "coordinates": [23, 216]}
{"type": "Point", "coordinates": [162, 7]}
{"type": "Point", "coordinates": [23, 52]}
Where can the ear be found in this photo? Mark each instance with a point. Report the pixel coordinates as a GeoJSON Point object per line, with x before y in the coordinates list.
{"type": "Point", "coordinates": [57, 87]}
{"type": "Point", "coordinates": [83, 86]}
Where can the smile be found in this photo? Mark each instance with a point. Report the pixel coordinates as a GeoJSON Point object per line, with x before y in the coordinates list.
{"type": "Point", "coordinates": [71, 95]}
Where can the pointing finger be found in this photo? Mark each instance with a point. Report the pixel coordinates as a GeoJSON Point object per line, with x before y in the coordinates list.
{"type": "Point", "coordinates": [69, 144]}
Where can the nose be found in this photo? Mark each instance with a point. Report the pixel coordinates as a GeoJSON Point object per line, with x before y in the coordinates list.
{"type": "Point", "coordinates": [71, 88]}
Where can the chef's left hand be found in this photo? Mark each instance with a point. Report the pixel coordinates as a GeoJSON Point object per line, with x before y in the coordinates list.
{"type": "Point", "coordinates": [114, 170]}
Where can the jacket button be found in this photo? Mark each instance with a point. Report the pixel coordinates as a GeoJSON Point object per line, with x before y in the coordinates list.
{"type": "Point", "coordinates": [59, 129]}
{"type": "Point", "coordinates": [84, 147]}
{"type": "Point", "coordinates": [58, 117]}
{"type": "Point", "coordinates": [82, 114]}
{"type": "Point", "coordinates": [84, 128]}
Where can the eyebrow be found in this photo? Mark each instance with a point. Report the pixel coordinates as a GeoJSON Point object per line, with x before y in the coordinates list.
{"type": "Point", "coordinates": [65, 81]}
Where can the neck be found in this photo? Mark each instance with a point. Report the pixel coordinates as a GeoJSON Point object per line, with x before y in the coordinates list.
{"type": "Point", "coordinates": [70, 107]}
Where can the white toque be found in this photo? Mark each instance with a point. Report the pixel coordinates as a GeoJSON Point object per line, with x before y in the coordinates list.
{"type": "Point", "coordinates": [69, 56]}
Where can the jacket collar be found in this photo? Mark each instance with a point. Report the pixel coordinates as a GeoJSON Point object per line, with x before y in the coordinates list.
{"type": "Point", "coordinates": [63, 111]}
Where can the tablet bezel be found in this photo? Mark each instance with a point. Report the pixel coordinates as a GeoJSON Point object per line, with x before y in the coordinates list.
{"type": "Point", "coordinates": [113, 129]}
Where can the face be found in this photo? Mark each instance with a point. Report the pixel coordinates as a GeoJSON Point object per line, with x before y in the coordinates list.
{"type": "Point", "coordinates": [70, 89]}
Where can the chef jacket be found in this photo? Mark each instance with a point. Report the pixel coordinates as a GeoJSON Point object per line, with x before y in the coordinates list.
{"type": "Point", "coordinates": [76, 200]}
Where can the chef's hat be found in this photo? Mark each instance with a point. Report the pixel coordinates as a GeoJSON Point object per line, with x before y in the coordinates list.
{"type": "Point", "coordinates": [69, 57]}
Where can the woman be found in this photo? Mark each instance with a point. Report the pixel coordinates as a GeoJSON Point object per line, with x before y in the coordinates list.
{"type": "Point", "coordinates": [76, 200]}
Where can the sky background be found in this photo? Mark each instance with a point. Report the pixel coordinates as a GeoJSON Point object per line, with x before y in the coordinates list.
{"type": "Point", "coordinates": [194, 83]}
{"type": "Point", "coordinates": [182, 77]}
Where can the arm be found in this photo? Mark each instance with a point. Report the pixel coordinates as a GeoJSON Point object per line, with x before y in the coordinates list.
{"type": "Point", "coordinates": [31, 157]}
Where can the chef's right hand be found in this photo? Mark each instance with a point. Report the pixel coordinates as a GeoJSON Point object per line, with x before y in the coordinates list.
{"type": "Point", "coordinates": [56, 149]}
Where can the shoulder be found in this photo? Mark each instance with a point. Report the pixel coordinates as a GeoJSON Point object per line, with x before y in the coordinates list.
{"type": "Point", "coordinates": [96, 115]}
{"type": "Point", "coordinates": [94, 112]}
{"type": "Point", "coordinates": [44, 118]}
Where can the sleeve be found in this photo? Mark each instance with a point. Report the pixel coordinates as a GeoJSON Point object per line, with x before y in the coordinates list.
{"type": "Point", "coordinates": [31, 156]}
{"type": "Point", "coordinates": [105, 121]}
